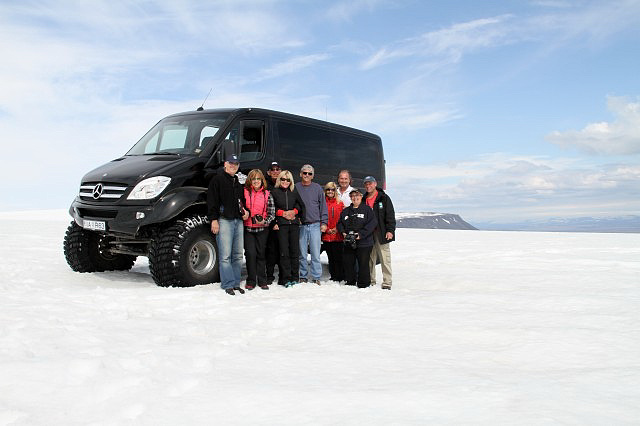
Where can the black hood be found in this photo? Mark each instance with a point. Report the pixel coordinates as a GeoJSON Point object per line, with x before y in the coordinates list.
{"type": "Point", "coordinates": [131, 168]}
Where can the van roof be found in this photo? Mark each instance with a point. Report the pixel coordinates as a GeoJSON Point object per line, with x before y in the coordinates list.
{"type": "Point", "coordinates": [280, 114]}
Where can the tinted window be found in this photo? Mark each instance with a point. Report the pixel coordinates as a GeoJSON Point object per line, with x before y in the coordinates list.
{"type": "Point", "coordinates": [328, 151]}
{"type": "Point", "coordinates": [300, 145]}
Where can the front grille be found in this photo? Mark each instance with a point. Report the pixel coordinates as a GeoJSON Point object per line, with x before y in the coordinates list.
{"type": "Point", "coordinates": [103, 214]}
{"type": "Point", "coordinates": [101, 191]}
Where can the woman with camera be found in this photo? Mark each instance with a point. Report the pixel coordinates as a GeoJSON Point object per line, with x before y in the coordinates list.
{"type": "Point", "coordinates": [261, 208]}
{"type": "Point", "coordinates": [331, 238]}
{"type": "Point", "coordinates": [357, 223]}
{"type": "Point", "coordinates": [289, 209]}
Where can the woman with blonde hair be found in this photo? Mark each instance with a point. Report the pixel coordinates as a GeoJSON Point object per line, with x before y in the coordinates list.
{"type": "Point", "coordinates": [332, 240]}
{"type": "Point", "coordinates": [259, 202]}
{"type": "Point", "coordinates": [289, 208]}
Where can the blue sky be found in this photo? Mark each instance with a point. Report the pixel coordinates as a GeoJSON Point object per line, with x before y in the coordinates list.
{"type": "Point", "coordinates": [498, 111]}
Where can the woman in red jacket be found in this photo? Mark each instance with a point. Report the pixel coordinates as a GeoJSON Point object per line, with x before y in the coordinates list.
{"type": "Point", "coordinates": [332, 240]}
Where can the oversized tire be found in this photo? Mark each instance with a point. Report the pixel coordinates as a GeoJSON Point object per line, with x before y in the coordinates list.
{"type": "Point", "coordinates": [86, 251]}
{"type": "Point", "coordinates": [185, 254]}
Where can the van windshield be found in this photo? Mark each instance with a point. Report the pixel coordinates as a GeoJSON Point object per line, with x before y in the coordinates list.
{"type": "Point", "coordinates": [179, 136]}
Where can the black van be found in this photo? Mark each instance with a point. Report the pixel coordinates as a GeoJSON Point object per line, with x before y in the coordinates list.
{"type": "Point", "coordinates": [152, 201]}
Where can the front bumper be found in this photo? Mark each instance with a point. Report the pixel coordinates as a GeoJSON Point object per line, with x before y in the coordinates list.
{"type": "Point", "coordinates": [119, 220]}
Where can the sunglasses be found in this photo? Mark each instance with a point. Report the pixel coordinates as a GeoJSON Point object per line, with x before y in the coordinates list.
{"type": "Point", "coordinates": [276, 169]}
{"type": "Point", "coordinates": [285, 180]}
{"type": "Point", "coordinates": [307, 173]}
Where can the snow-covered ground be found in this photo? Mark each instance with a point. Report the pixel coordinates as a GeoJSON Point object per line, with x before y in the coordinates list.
{"type": "Point", "coordinates": [493, 328]}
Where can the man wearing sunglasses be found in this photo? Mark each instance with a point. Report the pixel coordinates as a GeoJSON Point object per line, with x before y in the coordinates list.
{"type": "Point", "coordinates": [314, 224]}
{"type": "Point", "coordinates": [273, 248]}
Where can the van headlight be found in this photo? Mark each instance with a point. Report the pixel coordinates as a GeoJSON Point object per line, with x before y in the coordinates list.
{"type": "Point", "coordinates": [149, 188]}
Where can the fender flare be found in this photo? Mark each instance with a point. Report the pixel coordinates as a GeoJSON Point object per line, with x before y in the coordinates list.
{"type": "Point", "coordinates": [176, 201]}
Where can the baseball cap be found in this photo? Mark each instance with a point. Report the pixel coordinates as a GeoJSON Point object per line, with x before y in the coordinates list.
{"type": "Point", "coordinates": [232, 158]}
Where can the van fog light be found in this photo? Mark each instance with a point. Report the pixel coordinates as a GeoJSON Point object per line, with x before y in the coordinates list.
{"type": "Point", "coordinates": [139, 215]}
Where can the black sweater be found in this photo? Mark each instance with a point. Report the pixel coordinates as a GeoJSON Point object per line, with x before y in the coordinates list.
{"type": "Point", "coordinates": [224, 197]}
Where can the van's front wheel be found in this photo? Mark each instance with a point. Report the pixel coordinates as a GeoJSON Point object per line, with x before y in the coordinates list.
{"type": "Point", "coordinates": [185, 254]}
{"type": "Point", "coordinates": [87, 251]}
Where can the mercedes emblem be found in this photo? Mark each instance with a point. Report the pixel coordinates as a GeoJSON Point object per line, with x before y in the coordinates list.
{"type": "Point", "coordinates": [97, 191]}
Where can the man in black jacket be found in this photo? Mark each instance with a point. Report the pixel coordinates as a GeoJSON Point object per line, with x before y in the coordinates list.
{"type": "Point", "coordinates": [384, 233]}
{"type": "Point", "coordinates": [273, 248]}
{"type": "Point", "coordinates": [226, 212]}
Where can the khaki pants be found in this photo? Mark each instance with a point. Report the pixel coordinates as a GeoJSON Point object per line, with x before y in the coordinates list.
{"type": "Point", "coordinates": [382, 252]}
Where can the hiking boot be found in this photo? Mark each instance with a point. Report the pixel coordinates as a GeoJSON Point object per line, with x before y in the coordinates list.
{"type": "Point", "coordinates": [229, 291]}
{"type": "Point", "coordinates": [264, 286]}
{"type": "Point", "coordinates": [239, 290]}
{"type": "Point", "coordinates": [303, 280]}
{"type": "Point", "coordinates": [386, 286]}
{"type": "Point", "coordinates": [249, 286]}
{"type": "Point", "coordinates": [316, 282]}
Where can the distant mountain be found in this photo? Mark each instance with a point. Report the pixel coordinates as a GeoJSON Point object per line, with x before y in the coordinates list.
{"type": "Point", "coordinates": [431, 221]}
{"type": "Point", "coordinates": [625, 224]}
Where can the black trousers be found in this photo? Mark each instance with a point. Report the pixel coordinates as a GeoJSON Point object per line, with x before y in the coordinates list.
{"type": "Point", "coordinates": [335, 251]}
{"type": "Point", "coordinates": [289, 241]}
{"type": "Point", "coordinates": [255, 245]}
{"type": "Point", "coordinates": [360, 257]}
{"type": "Point", "coordinates": [273, 256]}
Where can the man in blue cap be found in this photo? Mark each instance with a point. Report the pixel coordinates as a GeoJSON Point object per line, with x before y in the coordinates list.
{"type": "Point", "coordinates": [384, 233]}
{"type": "Point", "coordinates": [226, 212]}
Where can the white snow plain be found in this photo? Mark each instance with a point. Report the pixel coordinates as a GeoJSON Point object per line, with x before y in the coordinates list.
{"type": "Point", "coordinates": [490, 328]}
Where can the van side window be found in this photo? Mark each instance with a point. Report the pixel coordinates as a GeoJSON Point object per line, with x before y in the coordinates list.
{"type": "Point", "coordinates": [251, 141]}
{"type": "Point", "coordinates": [301, 144]}
{"type": "Point", "coordinates": [327, 149]}
{"type": "Point", "coordinates": [246, 139]}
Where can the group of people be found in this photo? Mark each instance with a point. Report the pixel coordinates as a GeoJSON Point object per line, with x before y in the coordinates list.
{"type": "Point", "coordinates": [277, 222]}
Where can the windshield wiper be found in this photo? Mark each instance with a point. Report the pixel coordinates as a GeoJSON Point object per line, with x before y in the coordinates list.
{"type": "Point", "coordinates": [162, 153]}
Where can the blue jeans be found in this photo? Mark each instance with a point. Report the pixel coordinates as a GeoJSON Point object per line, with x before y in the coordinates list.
{"type": "Point", "coordinates": [230, 241]}
{"type": "Point", "coordinates": [310, 236]}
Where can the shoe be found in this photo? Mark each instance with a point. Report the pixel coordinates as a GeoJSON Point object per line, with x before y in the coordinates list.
{"type": "Point", "coordinates": [303, 280]}
{"type": "Point", "coordinates": [249, 286]}
{"type": "Point", "coordinates": [386, 286]}
{"type": "Point", "coordinates": [264, 287]}
{"type": "Point", "coordinates": [229, 291]}
{"type": "Point", "coordinates": [239, 290]}
{"type": "Point", "coordinates": [290, 284]}
{"type": "Point", "coordinates": [316, 282]}
{"type": "Point", "coordinates": [363, 285]}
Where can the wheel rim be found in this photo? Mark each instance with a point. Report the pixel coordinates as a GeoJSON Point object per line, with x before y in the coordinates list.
{"type": "Point", "coordinates": [202, 257]}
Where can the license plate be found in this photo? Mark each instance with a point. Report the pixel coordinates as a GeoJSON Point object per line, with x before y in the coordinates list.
{"type": "Point", "coordinates": [95, 225]}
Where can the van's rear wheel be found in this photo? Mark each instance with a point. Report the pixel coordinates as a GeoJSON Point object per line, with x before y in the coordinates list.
{"type": "Point", "coordinates": [87, 251]}
{"type": "Point", "coordinates": [185, 254]}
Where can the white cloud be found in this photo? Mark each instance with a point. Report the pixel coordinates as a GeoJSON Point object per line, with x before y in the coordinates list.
{"type": "Point", "coordinates": [293, 65]}
{"type": "Point", "coordinates": [346, 10]}
{"type": "Point", "coordinates": [618, 137]}
{"type": "Point", "coordinates": [502, 187]}
{"type": "Point", "coordinates": [447, 44]}
{"type": "Point", "coordinates": [544, 32]}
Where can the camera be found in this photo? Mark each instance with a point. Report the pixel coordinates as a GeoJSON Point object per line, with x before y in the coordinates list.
{"type": "Point", "coordinates": [257, 218]}
{"type": "Point", "coordinates": [350, 240]}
